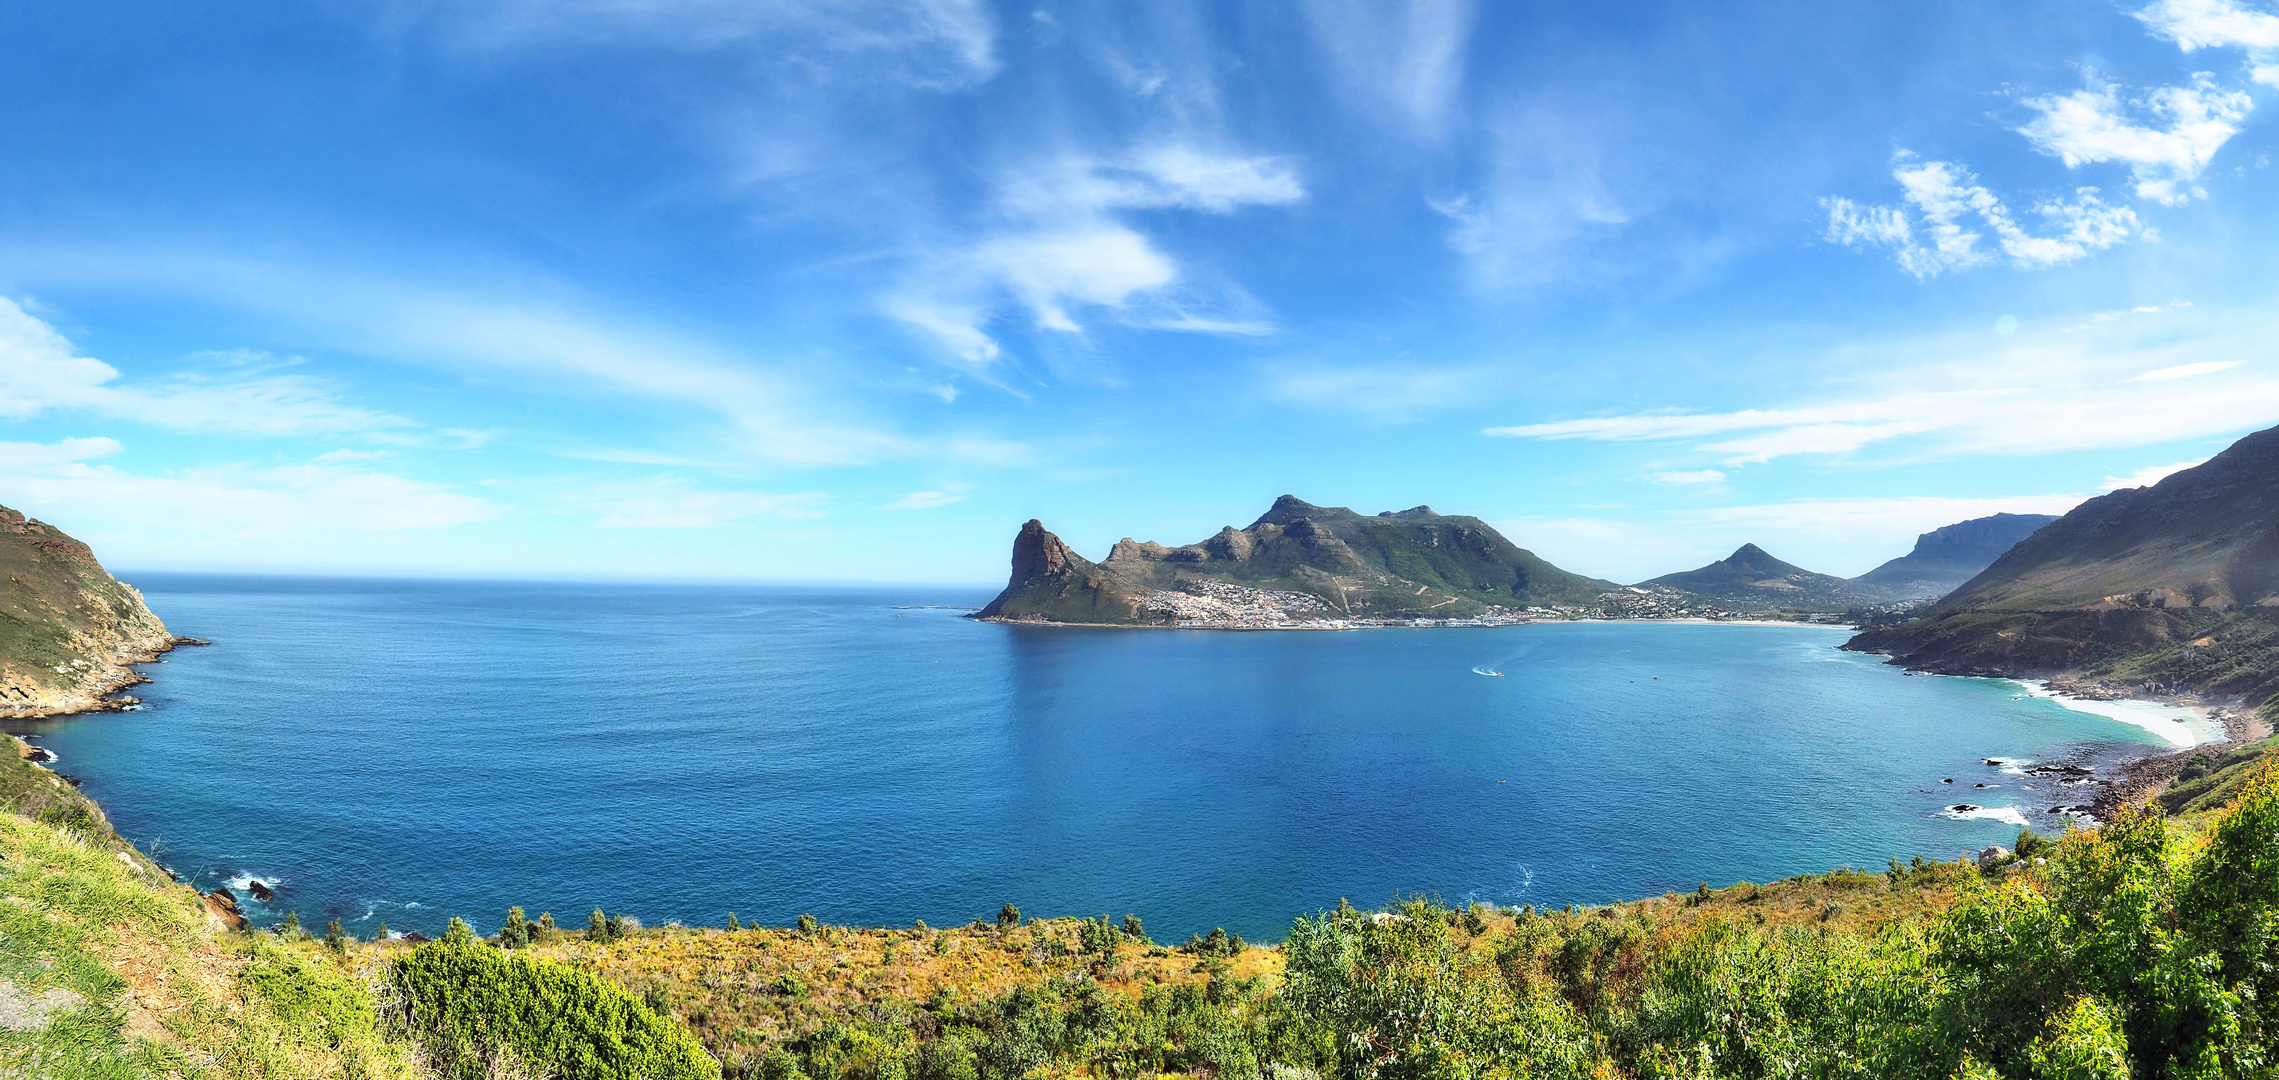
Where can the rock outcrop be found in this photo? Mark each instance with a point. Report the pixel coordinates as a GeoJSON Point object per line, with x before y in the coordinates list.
{"type": "Point", "coordinates": [68, 629]}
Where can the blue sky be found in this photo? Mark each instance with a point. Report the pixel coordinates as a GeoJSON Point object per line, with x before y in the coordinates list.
{"type": "Point", "coordinates": [846, 291]}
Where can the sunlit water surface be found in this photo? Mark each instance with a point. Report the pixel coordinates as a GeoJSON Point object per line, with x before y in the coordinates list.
{"type": "Point", "coordinates": [407, 751]}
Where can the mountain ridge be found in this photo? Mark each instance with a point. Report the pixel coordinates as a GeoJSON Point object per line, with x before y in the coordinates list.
{"type": "Point", "coordinates": [2174, 586]}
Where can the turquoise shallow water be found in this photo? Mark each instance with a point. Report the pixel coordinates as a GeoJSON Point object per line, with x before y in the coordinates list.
{"type": "Point", "coordinates": [408, 751]}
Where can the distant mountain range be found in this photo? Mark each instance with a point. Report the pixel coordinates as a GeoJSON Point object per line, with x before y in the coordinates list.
{"type": "Point", "coordinates": [1301, 561]}
{"type": "Point", "coordinates": [2174, 585]}
{"type": "Point", "coordinates": [1945, 558]}
{"type": "Point", "coordinates": [67, 627]}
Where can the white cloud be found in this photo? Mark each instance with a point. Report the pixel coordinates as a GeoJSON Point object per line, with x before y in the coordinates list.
{"type": "Point", "coordinates": [1049, 273]}
{"type": "Point", "coordinates": [1402, 58]}
{"type": "Point", "coordinates": [1950, 207]}
{"type": "Point", "coordinates": [931, 43]}
{"type": "Point", "coordinates": [2104, 317]}
{"type": "Point", "coordinates": [215, 508]}
{"type": "Point", "coordinates": [2186, 371]}
{"type": "Point", "coordinates": [2148, 476]}
{"type": "Point", "coordinates": [41, 372]}
{"type": "Point", "coordinates": [925, 500]}
{"type": "Point", "coordinates": [2019, 395]}
{"type": "Point", "coordinates": [1064, 252]}
{"type": "Point", "coordinates": [2187, 125]}
{"type": "Point", "coordinates": [1694, 476]}
{"type": "Point", "coordinates": [2206, 24]}
{"type": "Point", "coordinates": [1546, 196]}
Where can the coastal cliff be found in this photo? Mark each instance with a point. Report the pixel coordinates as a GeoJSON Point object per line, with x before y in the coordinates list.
{"type": "Point", "coordinates": [68, 629]}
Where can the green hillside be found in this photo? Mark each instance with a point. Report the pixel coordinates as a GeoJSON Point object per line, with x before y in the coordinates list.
{"type": "Point", "coordinates": [2138, 950]}
{"type": "Point", "coordinates": [2173, 586]}
{"type": "Point", "coordinates": [2204, 537]}
{"type": "Point", "coordinates": [1751, 579]}
{"type": "Point", "coordinates": [67, 627]}
{"type": "Point", "coordinates": [1329, 561]}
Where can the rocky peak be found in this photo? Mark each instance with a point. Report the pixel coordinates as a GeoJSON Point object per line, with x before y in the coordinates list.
{"type": "Point", "coordinates": [1038, 553]}
{"type": "Point", "coordinates": [1130, 550]}
{"type": "Point", "coordinates": [1231, 544]}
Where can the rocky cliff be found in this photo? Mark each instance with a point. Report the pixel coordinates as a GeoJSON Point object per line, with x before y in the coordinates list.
{"type": "Point", "coordinates": [67, 627]}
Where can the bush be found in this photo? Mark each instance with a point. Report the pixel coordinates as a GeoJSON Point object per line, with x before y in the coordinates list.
{"type": "Point", "coordinates": [1008, 917]}
{"type": "Point", "coordinates": [478, 1012]}
{"type": "Point", "coordinates": [68, 815]}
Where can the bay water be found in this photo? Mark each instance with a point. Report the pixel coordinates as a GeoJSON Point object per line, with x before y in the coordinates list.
{"type": "Point", "coordinates": [406, 751]}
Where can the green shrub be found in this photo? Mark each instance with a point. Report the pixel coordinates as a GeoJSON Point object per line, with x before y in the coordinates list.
{"type": "Point", "coordinates": [1008, 917]}
{"type": "Point", "coordinates": [476, 1010]}
{"type": "Point", "coordinates": [67, 815]}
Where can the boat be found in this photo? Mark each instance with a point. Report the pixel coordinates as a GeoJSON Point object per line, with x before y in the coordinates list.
{"type": "Point", "coordinates": [1486, 672]}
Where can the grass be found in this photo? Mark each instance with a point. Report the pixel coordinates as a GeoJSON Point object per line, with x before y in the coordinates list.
{"type": "Point", "coordinates": [165, 991]}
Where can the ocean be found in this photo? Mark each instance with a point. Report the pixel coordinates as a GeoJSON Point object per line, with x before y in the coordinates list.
{"type": "Point", "coordinates": [406, 751]}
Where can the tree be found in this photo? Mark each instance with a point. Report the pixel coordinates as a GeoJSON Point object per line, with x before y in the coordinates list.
{"type": "Point", "coordinates": [597, 926]}
{"type": "Point", "coordinates": [732, 923]}
{"type": "Point", "coordinates": [1008, 917]}
{"type": "Point", "coordinates": [1133, 929]}
{"type": "Point", "coordinates": [459, 933]}
{"type": "Point", "coordinates": [335, 937]}
{"type": "Point", "coordinates": [514, 933]}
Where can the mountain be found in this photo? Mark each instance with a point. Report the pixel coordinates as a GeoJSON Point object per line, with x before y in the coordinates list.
{"type": "Point", "coordinates": [67, 628]}
{"type": "Point", "coordinates": [1946, 557]}
{"type": "Point", "coordinates": [2174, 585]}
{"type": "Point", "coordinates": [2204, 537]}
{"type": "Point", "coordinates": [1297, 560]}
{"type": "Point", "coordinates": [1750, 579]}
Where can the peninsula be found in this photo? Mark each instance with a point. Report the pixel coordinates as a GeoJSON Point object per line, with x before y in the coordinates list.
{"type": "Point", "coordinates": [1298, 565]}
{"type": "Point", "coordinates": [68, 629]}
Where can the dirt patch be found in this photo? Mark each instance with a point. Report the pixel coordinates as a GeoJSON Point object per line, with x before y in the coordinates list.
{"type": "Point", "coordinates": [22, 1010]}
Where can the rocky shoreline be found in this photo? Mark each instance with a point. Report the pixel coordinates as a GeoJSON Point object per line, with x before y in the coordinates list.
{"type": "Point", "coordinates": [99, 691]}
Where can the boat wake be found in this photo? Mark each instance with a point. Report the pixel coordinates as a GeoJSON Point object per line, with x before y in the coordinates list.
{"type": "Point", "coordinates": [1489, 672]}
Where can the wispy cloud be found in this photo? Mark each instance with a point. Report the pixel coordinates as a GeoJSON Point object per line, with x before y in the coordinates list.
{"type": "Point", "coordinates": [2149, 475]}
{"type": "Point", "coordinates": [925, 500]}
{"type": "Point", "coordinates": [2020, 396]}
{"type": "Point", "coordinates": [1064, 255]}
{"type": "Point", "coordinates": [2166, 135]}
{"type": "Point", "coordinates": [2183, 128]}
{"type": "Point", "coordinates": [943, 44]}
{"type": "Point", "coordinates": [1403, 59]}
{"type": "Point", "coordinates": [41, 372]}
{"type": "Point", "coordinates": [1684, 476]}
{"type": "Point", "coordinates": [2103, 318]}
{"type": "Point", "coordinates": [2208, 24]}
{"type": "Point", "coordinates": [1938, 230]}
{"type": "Point", "coordinates": [216, 507]}
{"type": "Point", "coordinates": [2186, 371]}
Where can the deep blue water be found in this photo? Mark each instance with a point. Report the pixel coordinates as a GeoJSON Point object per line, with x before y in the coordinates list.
{"type": "Point", "coordinates": [407, 751]}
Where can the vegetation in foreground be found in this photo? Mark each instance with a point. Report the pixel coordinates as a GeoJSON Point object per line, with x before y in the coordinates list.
{"type": "Point", "coordinates": [2145, 949]}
